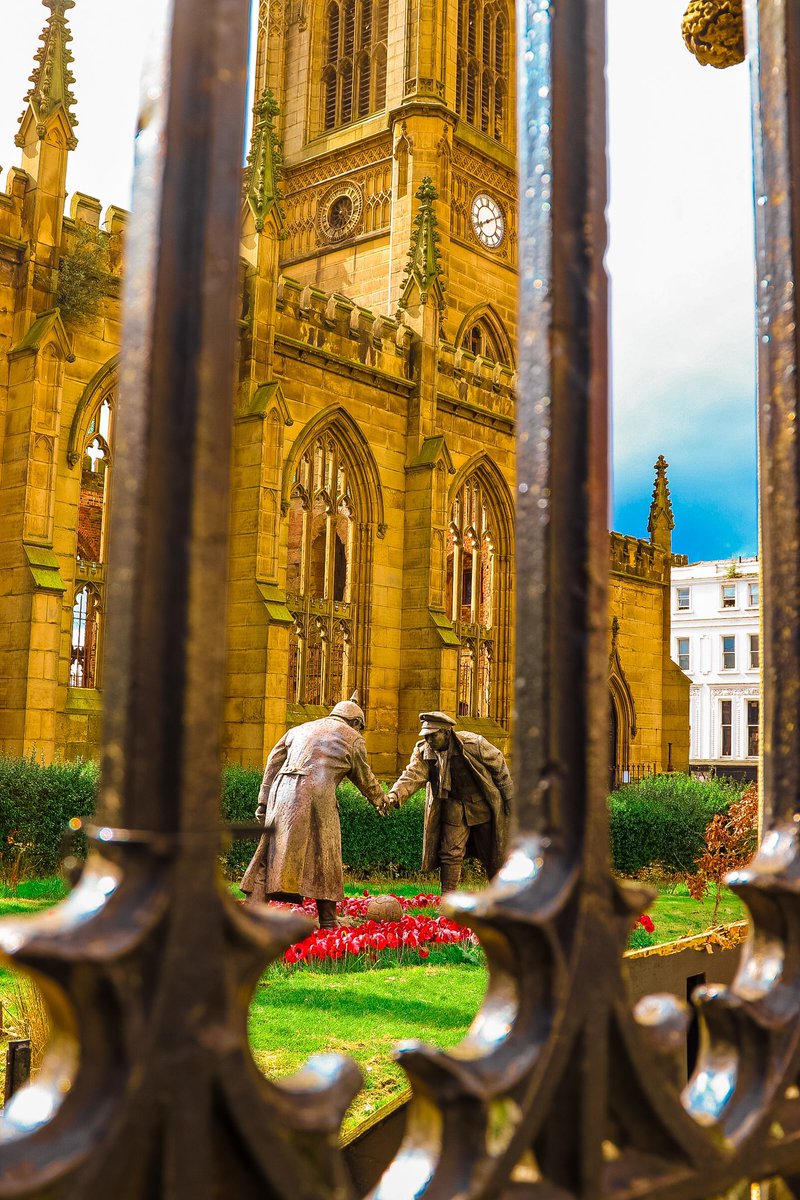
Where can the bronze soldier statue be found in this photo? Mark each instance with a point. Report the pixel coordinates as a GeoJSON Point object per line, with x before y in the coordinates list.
{"type": "Point", "coordinates": [302, 854]}
{"type": "Point", "coordinates": [468, 797]}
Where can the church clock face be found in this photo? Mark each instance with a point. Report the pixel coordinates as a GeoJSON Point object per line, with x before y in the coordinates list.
{"type": "Point", "coordinates": [340, 212]}
{"type": "Point", "coordinates": [488, 221]}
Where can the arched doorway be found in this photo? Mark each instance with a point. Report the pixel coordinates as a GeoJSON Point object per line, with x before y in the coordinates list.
{"type": "Point", "coordinates": [613, 750]}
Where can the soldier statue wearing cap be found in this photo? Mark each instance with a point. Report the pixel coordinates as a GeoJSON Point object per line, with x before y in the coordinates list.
{"type": "Point", "coordinates": [302, 854]}
{"type": "Point", "coordinates": [468, 797]}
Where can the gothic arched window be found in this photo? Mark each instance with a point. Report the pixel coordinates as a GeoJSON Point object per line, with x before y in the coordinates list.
{"type": "Point", "coordinates": [354, 71]}
{"type": "Point", "coordinates": [93, 501]}
{"type": "Point", "coordinates": [470, 595]}
{"type": "Point", "coordinates": [482, 66]}
{"type": "Point", "coordinates": [319, 576]}
{"type": "Point", "coordinates": [480, 339]}
{"type": "Point", "coordinates": [85, 637]}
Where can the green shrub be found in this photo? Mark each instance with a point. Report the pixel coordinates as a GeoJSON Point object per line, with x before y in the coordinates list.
{"type": "Point", "coordinates": [240, 787]}
{"type": "Point", "coordinates": [36, 802]}
{"type": "Point", "coordinates": [659, 822]}
{"type": "Point", "coordinates": [83, 273]}
{"type": "Point", "coordinates": [390, 845]}
{"type": "Point", "coordinates": [663, 820]}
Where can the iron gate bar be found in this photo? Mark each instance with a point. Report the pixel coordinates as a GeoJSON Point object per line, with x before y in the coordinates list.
{"type": "Point", "coordinates": [557, 1090]}
{"type": "Point", "coordinates": [159, 966]}
{"type": "Point", "coordinates": [773, 35]}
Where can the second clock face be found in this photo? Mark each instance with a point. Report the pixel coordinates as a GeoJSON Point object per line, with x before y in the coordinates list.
{"type": "Point", "coordinates": [488, 220]}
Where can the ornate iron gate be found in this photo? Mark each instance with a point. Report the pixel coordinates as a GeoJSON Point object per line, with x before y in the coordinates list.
{"type": "Point", "coordinates": [559, 1088]}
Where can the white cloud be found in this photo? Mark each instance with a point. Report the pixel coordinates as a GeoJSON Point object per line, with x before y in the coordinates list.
{"type": "Point", "coordinates": [681, 246]}
{"type": "Point", "coordinates": [680, 258]}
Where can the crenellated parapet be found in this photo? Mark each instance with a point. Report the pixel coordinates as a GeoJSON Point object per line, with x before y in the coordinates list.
{"type": "Point", "coordinates": [481, 389]}
{"type": "Point", "coordinates": [107, 229]}
{"type": "Point", "coordinates": [638, 558]}
{"type": "Point", "coordinates": [313, 323]}
{"type": "Point", "coordinates": [81, 210]}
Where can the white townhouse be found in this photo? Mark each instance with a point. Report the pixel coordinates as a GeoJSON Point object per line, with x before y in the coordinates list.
{"type": "Point", "coordinates": [716, 641]}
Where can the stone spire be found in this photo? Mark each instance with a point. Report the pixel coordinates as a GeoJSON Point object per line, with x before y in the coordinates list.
{"type": "Point", "coordinates": [424, 269]}
{"type": "Point", "coordinates": [52, 78]}
{"type": "Point", "coordinates": [662, 521]}
{"type": "Point", "coordinates": [264, 163]}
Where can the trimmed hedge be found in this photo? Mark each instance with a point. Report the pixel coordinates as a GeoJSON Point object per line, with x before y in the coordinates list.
{"type": "Point", "coordinates": [662, 821]}
{"type": "Point", "coordinates": [391, 845]}
{"type": "Point", "coordinates": [36, 802]}
{"type": "Point", "coordinates": [239, 799]}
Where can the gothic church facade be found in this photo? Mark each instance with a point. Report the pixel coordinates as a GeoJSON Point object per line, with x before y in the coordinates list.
{"type": "Point", "coordinates": [372, 537]}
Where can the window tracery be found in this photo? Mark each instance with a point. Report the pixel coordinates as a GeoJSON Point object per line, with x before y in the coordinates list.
{"type": "Point", "coordinates": [354, 71]}
{"type": "Point", "coordinates": [481, 341]}
{"type": "Point", "coordinates": [482, 66]}
{"type": "Point", "coordinates": [85, 637]}
{"type": "Point", "coordinates": [320, 575]}
{"type": "Point", "coordinates": [96, 463]}
{"type": "Point", "coordinates": [470, 595]}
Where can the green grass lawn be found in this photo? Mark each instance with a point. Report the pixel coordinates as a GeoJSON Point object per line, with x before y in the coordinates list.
{"type": "Point", "coordinates": [364, 1015]}
{"type": "Point", "coordinates": [296, 1012]}
{"type": "Point", "coordinates": [675, 914]}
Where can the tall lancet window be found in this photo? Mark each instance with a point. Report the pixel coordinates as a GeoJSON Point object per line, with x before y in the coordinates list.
{"type": "Point", "coordinates": [319, 577]}
{"type": "Point", "coordinates": [89, 602]}
{"type": "Point", "coordinates": [470, 597]}
{"type": "Point", "coordinates": [354, 70]}
{"type": "Point", "coordinates": [482, 66]}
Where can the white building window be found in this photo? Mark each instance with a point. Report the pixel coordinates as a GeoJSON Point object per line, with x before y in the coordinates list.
{"type": "Point", "coordinates": [755, 651]}
{"type": "Point", "coordinates": [726, 728]}
{"type": "Point", "coordinates": [752, 729]}
{"type": "Point", "coordinates": [729, 595]}
{"type": "Point", "coordinates": [729, 653]}
{"type": "Point", "coordinates": [683, 653]}
{"type": "Point", "coordinates": [682, 598]}
{"type": "Point", "coordinates": [753, 595]}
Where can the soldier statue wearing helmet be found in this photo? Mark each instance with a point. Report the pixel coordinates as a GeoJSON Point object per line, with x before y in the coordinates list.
{"type": "Point", "coordinates": [348, 710]}
{"type": "Point", "coordinates": [302, 853]}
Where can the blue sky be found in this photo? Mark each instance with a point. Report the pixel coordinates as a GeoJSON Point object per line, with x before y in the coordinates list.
{"type": "Point", "coordinates": [680, 256]}
{"type": "Point", "coordinates": [681, 265]}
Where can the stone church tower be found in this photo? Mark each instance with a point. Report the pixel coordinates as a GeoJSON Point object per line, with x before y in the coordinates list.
{"type": "Point", "coordinates": [396, 196]}
{"type": "Point", "coordinates": [372, 535]}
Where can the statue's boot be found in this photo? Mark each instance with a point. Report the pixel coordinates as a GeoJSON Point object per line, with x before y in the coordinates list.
{"type": "Point", "coordinates": [451, 876]}
{"type": "Point", "coordinates": [326, 911]}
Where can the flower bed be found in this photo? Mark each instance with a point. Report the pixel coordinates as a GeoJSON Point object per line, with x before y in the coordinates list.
{"type": "Point", "coordinates": [369, 944]}
{"type": "Point", "coordinates": [379, 943]}
{"type": "Point", "coordinates": [356, 906]}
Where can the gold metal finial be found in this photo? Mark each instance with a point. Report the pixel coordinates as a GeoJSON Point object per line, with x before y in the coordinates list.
{"type": "Point", "coordinates": [713, 31]}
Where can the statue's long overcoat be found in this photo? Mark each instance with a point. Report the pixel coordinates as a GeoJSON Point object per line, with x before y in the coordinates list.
{"type": "Point", "coordinates": [491, 774]}
{"type": "Point", "coordinates": [303, 855]}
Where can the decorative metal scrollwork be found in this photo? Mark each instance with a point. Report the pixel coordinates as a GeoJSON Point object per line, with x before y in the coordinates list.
{"type": "Point", "coordinates": [559, 1089]}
